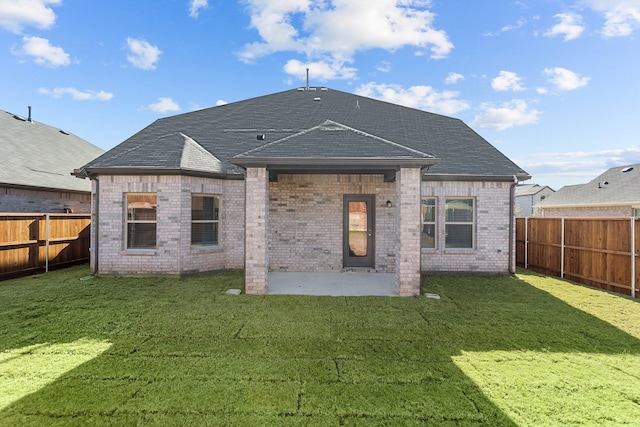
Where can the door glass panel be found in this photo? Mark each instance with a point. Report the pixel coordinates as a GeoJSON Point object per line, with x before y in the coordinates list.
{"type": "Point", "coordinates": [358, 229]}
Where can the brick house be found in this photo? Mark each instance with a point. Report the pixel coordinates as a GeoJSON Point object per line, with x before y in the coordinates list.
{"type": "Point", "coordinates": [613, 194]}
{"type": "Point", "coordinates": [36, 165]}
{"type": "Point", "coordinates": [309, 179]}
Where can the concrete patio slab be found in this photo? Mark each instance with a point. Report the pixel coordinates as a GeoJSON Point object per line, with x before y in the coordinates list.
{"type": "Point", "coordinates": [332, 284]}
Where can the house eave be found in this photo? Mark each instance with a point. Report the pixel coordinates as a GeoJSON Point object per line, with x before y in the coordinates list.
{"type": "Point", "coordinates": [591, 205]}
{"type": "Point", "coordinates": [475, 177]}
{"type": "Point", "coordinates": [37, 188]}
{"type": "Point", "coordinates": [138, 171]}
{"type": "Point", "coordinates": [320, 163]}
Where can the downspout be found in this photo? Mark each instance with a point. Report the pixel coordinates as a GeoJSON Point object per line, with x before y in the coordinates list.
{"type": "Point", "coordinates": [96, 240]}
{"type": "Point", "coordinates": [512, 213]}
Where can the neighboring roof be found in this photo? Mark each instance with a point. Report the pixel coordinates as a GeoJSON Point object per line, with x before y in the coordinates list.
{"type": "Point", "coordinates": [41, 156]}
{"type": "Point", "coordinates": [530, 189]}
{"type": "Point", "coordinates": [365, 129]}
{"type": "Point", "coordinates": [619, 186]}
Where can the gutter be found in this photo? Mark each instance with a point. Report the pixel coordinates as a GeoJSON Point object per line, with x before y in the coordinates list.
{"type": "Point", "coordinates": [97, 227]}
{"type": "Point", "coordinates": [512, 215]}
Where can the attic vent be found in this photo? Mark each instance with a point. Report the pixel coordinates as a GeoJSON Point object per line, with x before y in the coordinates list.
{"type": "Point", "coordinates": [17, 117]}
{"type": "Point", "coordinates": [317, 99]}
{"type": "Point", "coordinates": [300, 89]}
{"type": "Point", "coordinates": [629, 169]}
{"type": "Point", "coordinates": [64, 132]}
{"type": "Point", "coordinates": [324, 89]}
{"type": "Point", "coordinates": [261, 137]}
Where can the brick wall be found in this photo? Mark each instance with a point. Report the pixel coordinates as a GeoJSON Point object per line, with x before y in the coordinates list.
{"type": "Point", "coordinates": [304, 229]}
{"type": "Point", "coordinates": [491, 252]}
{"type": "Point", "coordinates": [173, 253]}
{"type": "Point", "coordinates": [408, 232]}
{"type": "Point", "coordinates": [256, 241]}
{"type": "Point", "coordinates": [590, 212]}
{"type": "Point", "coordinates": [41, 201]}
{"type": "Point", "coordinates": [305, 221]}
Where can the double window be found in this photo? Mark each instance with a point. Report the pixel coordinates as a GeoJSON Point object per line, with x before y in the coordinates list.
{"type": "Point", "coordinates": [205, 220]}
{"type": "Point", "coordinates": [141, 220]}
{"type": "Point", "coordinates": [459, 223]}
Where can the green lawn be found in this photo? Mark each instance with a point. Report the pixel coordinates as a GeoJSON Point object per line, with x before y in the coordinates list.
{"type": "Point", "coordinates": [166, 351]}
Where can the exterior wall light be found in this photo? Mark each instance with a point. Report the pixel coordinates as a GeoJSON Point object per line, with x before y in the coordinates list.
{"type": "Point", "coordinates": [389, 204]}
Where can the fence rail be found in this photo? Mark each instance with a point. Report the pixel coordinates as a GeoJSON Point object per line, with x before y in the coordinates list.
{"type": "Point", "coordinates": [600, 252]}
{"type": "Point", "coordinates": [35, 243]}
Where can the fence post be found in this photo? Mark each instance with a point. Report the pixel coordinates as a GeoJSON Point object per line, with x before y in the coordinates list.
{"type": "Point", "coordinates": [46, 251]}
{"type": "Point", "coordinates": [562, 249]}
{"type": "Point", "coordinates": [526, 242]}
{"type": "Point", "coordinates": [633, 257]}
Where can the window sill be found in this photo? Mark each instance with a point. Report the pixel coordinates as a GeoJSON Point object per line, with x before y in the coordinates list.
{"type": "Point", "coordinates": [139, 252]}
{"type": "Point", "coordinates": [206, 249]}
{"type": "Point", "coordinates": [452, 251]}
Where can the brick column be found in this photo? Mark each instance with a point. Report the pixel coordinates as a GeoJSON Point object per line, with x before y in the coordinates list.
{"type": "Point", "coordinates": [408, 230]}
{"type": "Point", "coordinates": [256, 261]}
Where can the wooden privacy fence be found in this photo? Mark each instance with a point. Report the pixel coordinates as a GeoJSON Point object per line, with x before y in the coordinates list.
{"type": "Point", "coordinates": [604, 253]}
{"type": "Point", "coordinates": [35, 243]}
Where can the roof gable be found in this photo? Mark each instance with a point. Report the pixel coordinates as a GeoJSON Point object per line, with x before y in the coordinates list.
{"type": "Point", "coordinates": [333, 140]}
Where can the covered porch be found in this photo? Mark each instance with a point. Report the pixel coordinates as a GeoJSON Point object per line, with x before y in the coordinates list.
{"type": "Point", "coordinates": [304, 213]}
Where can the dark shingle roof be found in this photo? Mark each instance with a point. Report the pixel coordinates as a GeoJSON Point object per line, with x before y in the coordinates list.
{"type": "Point", "coordinates": [41, 156]}
{"type": "Point", "coordinates": [230, 130]}
{"type": "Point", "coordinates": [616, 186]}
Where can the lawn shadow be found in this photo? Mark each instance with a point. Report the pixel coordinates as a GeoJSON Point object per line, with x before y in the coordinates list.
{"type": "Point", "coordinates": [182, 352]}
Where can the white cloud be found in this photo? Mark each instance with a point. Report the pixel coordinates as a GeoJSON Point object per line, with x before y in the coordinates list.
{"type": "Point", "coordinates": [43, 52]}
{"type": "Point", "coordinates": [164, 105]}
{"type": "Point", "coordinates": [565, 79]}
{"type": "Point", "coordinates": [453, 78]}
{"type": "Point", "coordinates": [16, 14]}
{"type": "Point", "coordinates": [334, 30]}
{"type": "Point", "coordinates": [507, 81]}
{"type": "Point", "coordinates": [319, 70]}
{"type": "Point", "coordinates": [422, 97]}
{"type": "Point", "coordinates": [77, 95]}
{"type": "Point", "coordinates": [195, 6]}
{"type": "Point", "coordinates": [570, 26]}
{"type": "Point", "coordinates": [577, 167]}
{"type": "Point", "coordinates": [519, 24]}
{"type": "Point", "coordinates": [384, 67]}
{"type": "Point", "coordinates": [142, 54]}
{"type": "Point", "coordinates": [505, 116]}
{"type": "Point", "coordinates": [622, 17]}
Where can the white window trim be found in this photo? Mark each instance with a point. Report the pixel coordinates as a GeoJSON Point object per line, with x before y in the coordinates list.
{"type": "Point", "coordinates": [434, 223]}
{"type": "Point", "coordinates": [128, 221]}
{"type": "Point", "coordinates": [472, 223]}
{"type": "Point", "coordinates": [206, 248]}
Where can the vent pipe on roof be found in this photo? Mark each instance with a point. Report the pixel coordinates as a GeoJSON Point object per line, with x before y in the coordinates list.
{"type": "Point", "coordinates": [307, 86]}
{"type": "Point", "coordinates": [29, 118]}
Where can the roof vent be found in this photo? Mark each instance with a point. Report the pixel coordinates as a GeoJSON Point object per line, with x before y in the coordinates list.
{"type": "Point", "coordinates": [17, 117]}
{"type": "Point", "coordinates": [261, 137]}
{"type": "Point", "coordinates": [627, 169]}
{"type": "Point", "coordinates": [64, 132]}
{"type": "Point", "coordinates": [324, 89]}
{"type": "Point", "coordinates": [602, 184]}
{"type": "Point", "coordinates": [300, 89]}
{"type": "Point", "coordinates": [317, 98]}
